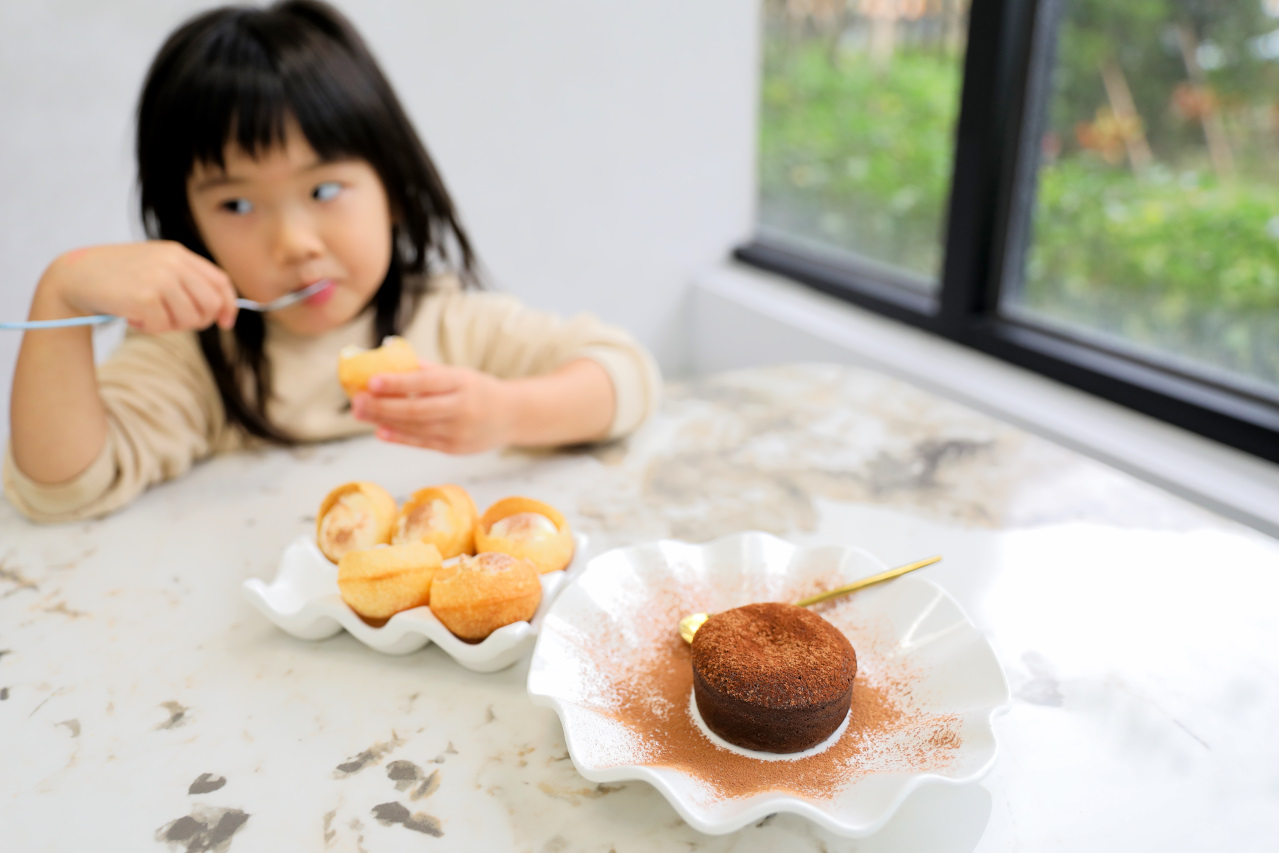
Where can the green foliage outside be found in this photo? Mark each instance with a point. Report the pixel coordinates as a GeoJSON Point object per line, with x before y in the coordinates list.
{"type": "Point", "coordinates": [1171, 256]}
{"type": "Point", "coordinates": [1178, 261]}
{"type": "Point", "coordinates": [859, 160]}
{"type": "Point", "coordinates": [1183, 237]}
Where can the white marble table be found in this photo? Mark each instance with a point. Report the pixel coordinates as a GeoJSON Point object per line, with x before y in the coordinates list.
{"type": "Point", "coordinates": [145, 705]}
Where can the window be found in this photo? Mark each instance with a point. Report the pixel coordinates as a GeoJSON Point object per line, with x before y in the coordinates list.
{"type": "Point", "coordinates": [1085, 188]}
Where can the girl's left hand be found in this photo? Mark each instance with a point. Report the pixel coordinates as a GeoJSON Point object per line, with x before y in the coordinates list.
{"type": "Point", "coordinates": [450, 409]}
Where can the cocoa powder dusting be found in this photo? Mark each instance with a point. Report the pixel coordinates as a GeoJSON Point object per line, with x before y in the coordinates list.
{"type": "Point", "coordinates": [642, 678]}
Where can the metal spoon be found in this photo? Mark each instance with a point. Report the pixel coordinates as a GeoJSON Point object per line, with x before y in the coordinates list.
{"type": "Point", "coordinates": [689, 624]}
{"type": "Point", "coordinates": [286, 300]}
{"type": "Point", "coordinates": [247, 304]}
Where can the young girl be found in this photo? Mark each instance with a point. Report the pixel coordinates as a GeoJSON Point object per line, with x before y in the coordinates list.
{"type": "Point", "coordinates": [273, 156]}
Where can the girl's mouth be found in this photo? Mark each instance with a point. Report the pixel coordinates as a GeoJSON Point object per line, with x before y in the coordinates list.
{"type": "Point", "coordinates": [321, 296]}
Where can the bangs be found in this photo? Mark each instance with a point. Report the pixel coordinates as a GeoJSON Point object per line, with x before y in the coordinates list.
{"type": "Point", "coordinates": [242, 81]}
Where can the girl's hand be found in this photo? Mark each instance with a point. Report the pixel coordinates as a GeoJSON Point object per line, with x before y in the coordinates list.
{"type": "Point", "coordinates": [158, 286]}
{"type": "Point", "coordinates": [451, 409]}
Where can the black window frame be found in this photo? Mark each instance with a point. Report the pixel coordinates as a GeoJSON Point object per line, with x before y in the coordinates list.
{"type": "Point", "coordinates": [1007, 68]}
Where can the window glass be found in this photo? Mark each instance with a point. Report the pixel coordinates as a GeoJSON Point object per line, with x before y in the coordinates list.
{"type": "Point", "coordinates": [1156, 218]}
{"type": "Point", "coordinates": [859, 104]}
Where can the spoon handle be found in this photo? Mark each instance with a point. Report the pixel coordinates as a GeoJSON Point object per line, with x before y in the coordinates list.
{"type": "Point", "coordinates": [865, 582]}
{"type": "Point", "coordinates": [59, 324]}
{"type": "Point", "coordinates": [246, 304]}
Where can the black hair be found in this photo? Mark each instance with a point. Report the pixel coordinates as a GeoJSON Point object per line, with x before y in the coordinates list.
{"type": "Point", "coordinates": [236, 75]}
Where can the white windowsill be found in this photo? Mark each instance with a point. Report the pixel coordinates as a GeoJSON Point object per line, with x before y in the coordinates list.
{"type": "Point", "coordinates": [743, 317]}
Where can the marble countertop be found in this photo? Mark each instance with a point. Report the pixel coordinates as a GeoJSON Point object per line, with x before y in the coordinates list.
{"type": "Point", "coordinates": [144, 704]}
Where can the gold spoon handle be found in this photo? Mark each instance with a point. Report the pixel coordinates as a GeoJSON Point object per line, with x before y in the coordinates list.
{"type": "Point", "coordinates": [865, 582]}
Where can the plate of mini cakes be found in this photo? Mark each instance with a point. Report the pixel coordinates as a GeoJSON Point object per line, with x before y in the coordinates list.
{"type": "Point", "coordinates": [432, 569]}
{"type": "Point", "coordinates": [834, 712]}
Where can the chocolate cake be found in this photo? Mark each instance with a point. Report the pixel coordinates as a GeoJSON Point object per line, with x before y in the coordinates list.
{"type": "Point", "coordinates": [772, 677]}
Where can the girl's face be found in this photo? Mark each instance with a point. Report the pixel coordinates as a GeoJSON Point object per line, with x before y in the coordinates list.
{"type": "Point", "coordinates": [289, 219]}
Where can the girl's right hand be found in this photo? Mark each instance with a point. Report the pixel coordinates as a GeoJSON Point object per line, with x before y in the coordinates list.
{"type": "Point", "coordinates": [158, 286]}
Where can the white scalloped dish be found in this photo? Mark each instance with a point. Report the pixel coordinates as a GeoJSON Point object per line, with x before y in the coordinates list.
{"type": "Point", "coordinates": [610, 662]}
{"type": "Point", "coordinates": [303, 600]}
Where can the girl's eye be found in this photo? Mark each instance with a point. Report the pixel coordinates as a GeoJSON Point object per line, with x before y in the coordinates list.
{"type": "Point", "coordinates": [326, 191]}
{"type": "Point", "coordinates": [239, 206]}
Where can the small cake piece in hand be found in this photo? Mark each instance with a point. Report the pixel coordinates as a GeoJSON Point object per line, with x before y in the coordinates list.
{"type": "Point", "coordinates": [445, 516]}
{"type": "Point", "coordinates": [526, 528]}
{"type": "Point", "coordinates": [353, 517]}
{"type": "Point", "coordinates": [380, 582]}
{"type": "Point", "coordinates": [477, 595]}
{"type": "Point", "coordinates": [356, 366]}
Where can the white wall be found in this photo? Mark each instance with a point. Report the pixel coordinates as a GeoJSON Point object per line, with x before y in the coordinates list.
{"type": "Point", "coordinates": [601, 153]}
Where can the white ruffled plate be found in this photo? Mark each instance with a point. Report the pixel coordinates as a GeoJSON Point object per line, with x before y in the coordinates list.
{"type": "Point", "coordinates": [303, 600]}
{"type": "Point", "coordinates": [614, 626]}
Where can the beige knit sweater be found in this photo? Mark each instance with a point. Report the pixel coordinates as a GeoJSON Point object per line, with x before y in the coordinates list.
{"type": "Point", "coordinates": [164, 413]}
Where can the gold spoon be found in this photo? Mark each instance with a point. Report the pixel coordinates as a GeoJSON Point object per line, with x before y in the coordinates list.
{"type": "Point", "coordinates": [689, 624]}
